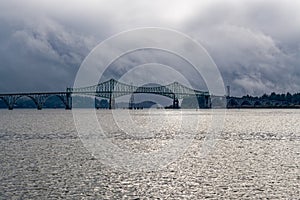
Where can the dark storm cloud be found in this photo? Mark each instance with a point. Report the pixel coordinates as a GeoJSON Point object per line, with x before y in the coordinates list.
{"type": "Point", "coordinates": [256, 44]}
{"type": "Point", "coordinates": [40, 49]}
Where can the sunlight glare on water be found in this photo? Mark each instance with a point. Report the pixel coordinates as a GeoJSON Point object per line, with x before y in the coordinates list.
{"type": "Point", "coordinates": [257, 155]}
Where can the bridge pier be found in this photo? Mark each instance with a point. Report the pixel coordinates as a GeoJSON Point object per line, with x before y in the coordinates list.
{"type": "Point", "coordinates": [10, 101]}
{"type": "Point", "coordinates": [39, 107]}
{"type": "Point", "coordinates": [97, 103]}
{"type": "Point", "coordinates": [39, 100]}
{"type": "Point", "coordinates": [68, 107]}
{"type": "Point", "coordinates": [111, 103]}
{"type": "Point", "coordinates": [175, 103]}
{"type": "Point", "coordinates": [68, 101]}
{"type": "Point", "coordinates": [207, 102]}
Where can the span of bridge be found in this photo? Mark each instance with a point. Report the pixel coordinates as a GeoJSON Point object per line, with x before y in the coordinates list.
{"type": "Point", "coordinates": [110, 89]}
{"type": "Point", "coordinates": [240, 102]}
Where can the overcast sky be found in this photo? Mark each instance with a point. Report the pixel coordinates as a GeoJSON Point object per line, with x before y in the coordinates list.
{"type": "Point", "coordinates": [255, 44]}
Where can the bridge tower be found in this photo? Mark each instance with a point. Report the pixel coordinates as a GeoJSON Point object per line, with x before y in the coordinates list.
{"type": "Point", "coordinates": [112, 84]}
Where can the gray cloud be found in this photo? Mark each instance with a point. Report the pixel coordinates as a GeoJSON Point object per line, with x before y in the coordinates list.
{"type": "Point", "coordinates": [256, 44]}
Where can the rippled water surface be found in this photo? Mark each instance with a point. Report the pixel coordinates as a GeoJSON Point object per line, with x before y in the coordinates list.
{"type": "Point", "coordinates": [255, 155]}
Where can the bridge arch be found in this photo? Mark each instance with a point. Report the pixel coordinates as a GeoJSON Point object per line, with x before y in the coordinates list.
{"type": "Point", "coordinates": [246, 103]}
{"type": "Point", "coordinates": [113, 89]}
{"type": "Point", "coordinates": [25, 96]}
{"type": "Point", "coordinates": [268, 103]}
{"type": "Point", "coordinates": [277, 104]}
{"type": "Point", "coordinates": [5, 101]}
{"type": "Point", "coordinates": [57, 96]}
{"type": "Point", "coordinates": [104, 95]}
{"type": "Point", "coordinates": [257, 103]}
{"type": "Point", "coordinates": [232, 103]}
{"type": "Point", "coordinates": [135, 99]}
{"type": "Point", "coordinates": [170, 96]}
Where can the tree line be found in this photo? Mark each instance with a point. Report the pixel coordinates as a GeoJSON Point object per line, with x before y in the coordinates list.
{"type": "Point", "coordinates": [288, 97]}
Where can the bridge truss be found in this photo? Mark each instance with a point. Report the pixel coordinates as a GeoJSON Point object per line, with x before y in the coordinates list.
{"type": "Point", "coordinates": [110, 89]}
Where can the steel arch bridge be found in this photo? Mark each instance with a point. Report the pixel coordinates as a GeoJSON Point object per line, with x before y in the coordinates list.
{"type": "Point", "coordinates": [236, 102]}
{"type": "Point", "coordinates": [110, 89]}
{"type": "Point", "coordinates": [38, 98]}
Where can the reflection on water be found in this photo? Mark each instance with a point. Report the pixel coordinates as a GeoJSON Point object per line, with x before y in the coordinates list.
{"type": "Point", "coordinates": [256, 155]}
